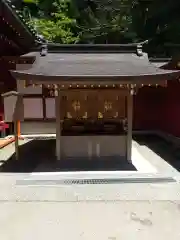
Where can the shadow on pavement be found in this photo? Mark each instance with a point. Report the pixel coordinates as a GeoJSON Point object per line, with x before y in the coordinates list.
{"type": "Point", "coordinates": [166, 150]}
{"type": "Point", "coordinates": [39, 156]}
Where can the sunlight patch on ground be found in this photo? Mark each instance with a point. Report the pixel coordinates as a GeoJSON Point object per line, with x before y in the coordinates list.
{"type": "Point", "coordinates": [140, 163]}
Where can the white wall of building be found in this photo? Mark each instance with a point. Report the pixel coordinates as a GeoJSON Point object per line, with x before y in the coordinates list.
{"type": "Point", "coordinates": [38, 127]}
{"type": "Point", "coordinates": [50, 108]}
{"type": "Point", "coordinates": [33, 108]}
{"type": "Point", "coordinates": [99, 146]}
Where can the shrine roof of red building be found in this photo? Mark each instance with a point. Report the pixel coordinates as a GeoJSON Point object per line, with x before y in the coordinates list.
{"type": "Point", "coordinates": [85, 62]}
{"type": "Point", "coordinates": [16, 36]}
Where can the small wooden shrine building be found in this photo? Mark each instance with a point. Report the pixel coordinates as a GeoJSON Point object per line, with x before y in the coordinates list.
{"type": "Point", "coordinates": [83, 94]}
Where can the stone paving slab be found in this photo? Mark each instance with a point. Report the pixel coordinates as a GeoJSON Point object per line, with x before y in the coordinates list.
{"type": "Point", "coordinates": [99, 192]}
{"type": "Point", "coordinates": [88, 212]}
{"type": "Point", "coordinates": [90, 220]}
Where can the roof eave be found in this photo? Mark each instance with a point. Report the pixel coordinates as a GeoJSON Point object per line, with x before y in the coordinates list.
{"type": "Point", "coordinates": [147, 79]}
{"type": "Point", "coordinates": [25, 31]}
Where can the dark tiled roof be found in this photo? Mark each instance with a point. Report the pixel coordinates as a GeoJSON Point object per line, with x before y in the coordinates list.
{"type": "Point", "coordinates": [16, 35]}
{"type": "Point", "coordinates": [104, 65]}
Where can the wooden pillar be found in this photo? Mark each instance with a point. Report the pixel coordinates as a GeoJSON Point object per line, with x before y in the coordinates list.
{"type": "Point", "coordinates": [58, 126]}
{"type": "Point", "coordinates": [19, 112]}
{"type": "Point", "coordinates": [129, 122]}
{"type": "Point", "coordinates": [16, 139]}
{"type": "Point", "coordinates": [19, 128]}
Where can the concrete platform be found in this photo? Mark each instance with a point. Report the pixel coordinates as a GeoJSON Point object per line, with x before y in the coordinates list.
{"type": "Point", "coordinates": [35, 158]}
{"type": "Point", "coordinates": [144, 160]}
{"type": "Point", "coordinates": [162, 154]}
{"type": "Point", "coordinates": [126, 210]}
{"type": "Point", "coordinates": [90, 220]}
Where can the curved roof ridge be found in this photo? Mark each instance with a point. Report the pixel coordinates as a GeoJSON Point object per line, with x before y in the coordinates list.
{"type": "Point", "coordinates": [100, 45]}
{"type": "Point", "coordinates": [96, 48]}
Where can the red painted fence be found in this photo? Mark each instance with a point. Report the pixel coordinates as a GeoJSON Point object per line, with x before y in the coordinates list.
{"type": "Point", "coordinates": [158, 108]}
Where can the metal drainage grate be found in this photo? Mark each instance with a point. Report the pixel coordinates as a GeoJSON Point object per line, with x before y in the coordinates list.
{"type": "Point", "coordinates": [95, 181]}
{"type": "Point", "coordinates": [40, 138]}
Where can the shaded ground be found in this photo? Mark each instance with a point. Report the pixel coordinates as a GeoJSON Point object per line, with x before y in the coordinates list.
{"type": "Point", "coordinates": [166, 150]}
{"type": "Point", "coordinates": [38, 155]}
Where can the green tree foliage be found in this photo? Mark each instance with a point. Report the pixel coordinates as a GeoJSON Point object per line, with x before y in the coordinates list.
{"type": "Point", "coordinates": [159, 21]}
{"type": "Point", "coordinates": [52, 20]}
{"type": "Point", "coordinates": [107, 21]}
{"type": "Point", "coordinates": [58, 31]}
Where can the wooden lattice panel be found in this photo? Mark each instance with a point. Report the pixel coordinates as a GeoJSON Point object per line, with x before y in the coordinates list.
{"type": "Point", "coordinates": [73, 104]}
{"type": "Point", "coordinates": [93, 104]}
{"type": "Point", "coordinates": [111, 104]}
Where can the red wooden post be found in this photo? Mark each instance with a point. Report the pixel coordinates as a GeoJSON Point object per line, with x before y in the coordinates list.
{"type": "Point", "coordinates": [19, 128]}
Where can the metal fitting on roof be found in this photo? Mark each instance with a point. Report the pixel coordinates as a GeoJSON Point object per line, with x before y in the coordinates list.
{"type": "Point", "coordinates": [44, 50]}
